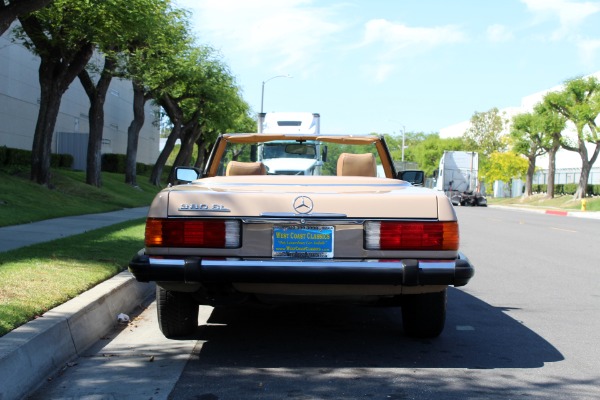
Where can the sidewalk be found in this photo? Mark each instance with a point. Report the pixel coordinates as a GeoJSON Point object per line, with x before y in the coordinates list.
{"type": "Point", "coordinates": [37, 350]}
{"type": "Point", "coordinates": [13, 237]}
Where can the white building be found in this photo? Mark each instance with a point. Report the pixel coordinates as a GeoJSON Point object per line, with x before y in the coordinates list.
{"type": "Point", "coordinates": [568, 163]}
{"type": "Point", "coordinates": [19, 106]}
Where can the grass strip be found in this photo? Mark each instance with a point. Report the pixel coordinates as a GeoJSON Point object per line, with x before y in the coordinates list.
{"type": "Point", "coordinates": [37, 278]}
{"type": "Point", "coordinates": [564, 202]}
{"type": "Point", "coordinates": [23, 201]}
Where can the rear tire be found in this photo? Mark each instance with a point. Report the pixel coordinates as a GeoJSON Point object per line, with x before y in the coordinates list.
{"type": "Point", "coordinates": [177, 313]}
{"type": "Point", "coordinates": [424, 315]}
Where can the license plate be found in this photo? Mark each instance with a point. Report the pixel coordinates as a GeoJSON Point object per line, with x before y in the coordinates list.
{"type": "Point", "coordinates": [303, 241]}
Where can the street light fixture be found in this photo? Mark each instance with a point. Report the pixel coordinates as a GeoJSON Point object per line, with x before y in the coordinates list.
{"type": "Point", "coordinates": [262, 96]}
{"type": "Point", "coordinates": [403, 133]}
{"type": "Point", "coordinates": [403, 130]}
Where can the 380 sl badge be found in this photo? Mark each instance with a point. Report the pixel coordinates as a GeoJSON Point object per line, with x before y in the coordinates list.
{"type": "Point", "coordinates": [203, 207]}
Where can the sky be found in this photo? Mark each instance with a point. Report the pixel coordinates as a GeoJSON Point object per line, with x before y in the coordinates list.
{"type": "Point", "coordinates": [386, 66]}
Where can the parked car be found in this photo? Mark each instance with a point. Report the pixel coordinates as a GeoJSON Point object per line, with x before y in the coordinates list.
{"type": "Point", "coordinates": [237, 232]}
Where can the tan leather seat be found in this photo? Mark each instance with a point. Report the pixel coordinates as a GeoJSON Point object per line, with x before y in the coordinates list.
{"type": "Point", "coordinates": [245, 168]}
{"type": "Point", "coordinates": [356, 165]}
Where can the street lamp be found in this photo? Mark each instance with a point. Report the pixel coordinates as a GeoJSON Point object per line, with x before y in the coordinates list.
{"type": "Point", "coordinates": [403, 132]}
{"type": "Point", "coordinates": [262, 96]}
{"type": "Point", "coordinates": [403, 129]}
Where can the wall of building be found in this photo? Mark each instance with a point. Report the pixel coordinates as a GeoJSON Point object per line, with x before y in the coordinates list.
{"type": "Point", "coordinates": [19, 106]}
{"type": "Point", "coordinates": [564, 159]}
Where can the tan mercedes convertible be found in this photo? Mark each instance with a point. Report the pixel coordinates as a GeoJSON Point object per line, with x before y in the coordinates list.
{"type": "Point", "coordinates": [297, 217]}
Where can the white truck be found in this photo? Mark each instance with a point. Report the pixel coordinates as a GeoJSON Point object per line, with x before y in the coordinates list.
{"type": "Point", "coordinates": [289, 157]}
{"type": "Point", "coordinates": [458, 178]}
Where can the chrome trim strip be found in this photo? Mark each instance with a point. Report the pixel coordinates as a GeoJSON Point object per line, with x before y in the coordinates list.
{"type": "Point", "coordinates": [300, 219]}
{"type": "Point", "coordinates": [392, 185]}
{"type": "Point", "coordinates": [312, 215]}
{"type": "Point", "coordinates": [166, 261]}
{"type": "Point", "coordinates": [426, 265]}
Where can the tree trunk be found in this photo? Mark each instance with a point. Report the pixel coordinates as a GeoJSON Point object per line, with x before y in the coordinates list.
{"type": "Point", "coordinates": [583, 179]}
{"type": "Point", "coordinates": [133, 133]}
{"type": "Point", "coordinates": [201, 144]}
{"type": "Point", "coordinates": [9, 12]}
{"type": "Point", "coordinates": [57, 71]}
{"type": "Point", "coordinates": [529, 179]}
{"type": "Point", "coordinates": [97, 96]}
{"type": "Point", "coordinates": [176, 116]}
{"type": "Point", "coordinates": [50, 97]}
{"type": "Point", "coordinates": [160, 163]}
{"type": "Point", "coordinates": [551, 172]}
{"type": "Point", "coordinates": [189, 137]}
{"type": "Point", "coordinates": [586, 168]}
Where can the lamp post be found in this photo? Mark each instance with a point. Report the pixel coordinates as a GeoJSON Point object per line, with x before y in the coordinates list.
{"type": "Point", "coordinates": [262, 95]}
{"type": "Point", "coordinates": [403, 129]}
{"type": "Point", "coordinates": [403, 133]}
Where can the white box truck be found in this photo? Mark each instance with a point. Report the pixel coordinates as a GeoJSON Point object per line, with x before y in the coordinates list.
{"type": "Point", "coordinates": [458, 177]}
{"type": "Point", "coordinates": [289, 157]}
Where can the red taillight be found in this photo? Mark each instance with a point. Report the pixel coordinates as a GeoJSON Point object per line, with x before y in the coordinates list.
{"type": "Point", "coordinates": [400, 235]}
{"type": "Point", "coordinates": [192, 233]}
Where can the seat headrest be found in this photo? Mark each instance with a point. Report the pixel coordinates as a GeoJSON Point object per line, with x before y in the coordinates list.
{"type": "Point", "coordinates": [356, 165]}
{"type": "Point", "coordinates": [245, 168]}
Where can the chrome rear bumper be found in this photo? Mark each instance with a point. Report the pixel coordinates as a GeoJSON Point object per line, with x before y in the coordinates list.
{"type": "Point", "coordinates": [407, 272]}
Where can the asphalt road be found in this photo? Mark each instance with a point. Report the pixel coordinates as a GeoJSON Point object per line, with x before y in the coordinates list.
{"type": "Point", "coordinates": [526, 326]}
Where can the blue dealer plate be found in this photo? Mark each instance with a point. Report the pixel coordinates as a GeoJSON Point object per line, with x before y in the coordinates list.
{"type": "Point", "coordinates": [303, 241]}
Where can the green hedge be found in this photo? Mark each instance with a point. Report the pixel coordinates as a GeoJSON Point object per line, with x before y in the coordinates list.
{"type": "Point", "coordinates": [10, 156]}
{"type": "Point", "coordinates": [567, 188]}
{"type": "Point", "coordinates": [116, 163]}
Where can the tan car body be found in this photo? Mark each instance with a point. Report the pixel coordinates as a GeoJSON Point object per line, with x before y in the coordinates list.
{"type": "Point", "coordinates": [262, 202]}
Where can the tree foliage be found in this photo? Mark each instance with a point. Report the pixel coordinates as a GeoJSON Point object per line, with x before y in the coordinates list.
{"type": "Point", "coordinates": [62, 35]}
{"type": "Point", "coordinates": [579, 102]}
{"type": "Point", "coordinates": [485, 132]}
{"type": "Point", "coordinates": [426, 149]}
{"type": "Point", "coordinates": [203, 101]}
{"type": "Point", "coordinates": [550, 125]}
{"type": "Point", "coordinates": [127, 27]}
{"type": "Point", "coordinates": [505, 166]}
{"type": "Point", "coordinates": [527, 140]}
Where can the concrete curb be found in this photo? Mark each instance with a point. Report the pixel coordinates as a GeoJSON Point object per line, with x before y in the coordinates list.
{"type": "Point", "coordinates": [40, 348]}
{"type": "Point", "coordinates": [560, 213]}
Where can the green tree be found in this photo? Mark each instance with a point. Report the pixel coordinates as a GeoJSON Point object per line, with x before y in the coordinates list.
{"type": "Point", "coordinates": [148, 65]}
{"type": "Point", "coordinates": [485, 132]}
{"type": "Point", "coordinates": [505, 166]}
{"type": "Point", "coordinates": [213, 110]}
{"type": "Point", "coordinates": [550, 125]}
{"type": "Point", "coordinates": [203, 92]}
{"type": "Point", "coordinates": [428, 151]}
{"type": "Point", "coordinates": [62, 35]}
{"type": "Point", "coordinates": [579, 103]}
{"type": "Point", "coordinates": [125, 27]}
{"type": "Point", "coordinates": [527, 140]}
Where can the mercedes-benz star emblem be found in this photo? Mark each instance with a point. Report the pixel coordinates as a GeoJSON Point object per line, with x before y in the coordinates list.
{"type": "Point", "coordinates": [303, 204]}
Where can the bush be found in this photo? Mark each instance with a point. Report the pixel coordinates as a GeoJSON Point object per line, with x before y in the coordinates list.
{"type": "Point", "coordinates": [567, 188]}
{"type": "Point", "coordinates": [61, 161]}
{"type": "Point", "coordinates": [117, 162]}
{"type": "Point", "coordinates": [113, 162]}
{"type": "Point", "coordinates": [19, 157]}
{"type": "Point", "coordinates": [3, 154]}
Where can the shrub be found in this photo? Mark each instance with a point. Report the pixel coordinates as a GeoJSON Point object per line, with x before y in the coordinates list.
{"type": "Point", "coordinates": [117, 162]}
{"type": "Point", "coordinates": [3, 155]}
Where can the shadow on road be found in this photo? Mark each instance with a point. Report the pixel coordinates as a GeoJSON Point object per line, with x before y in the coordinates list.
{"type": "Point", "coordinates": [345, 352]}
{"type": "Point", "coordinates": [477, 336]}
